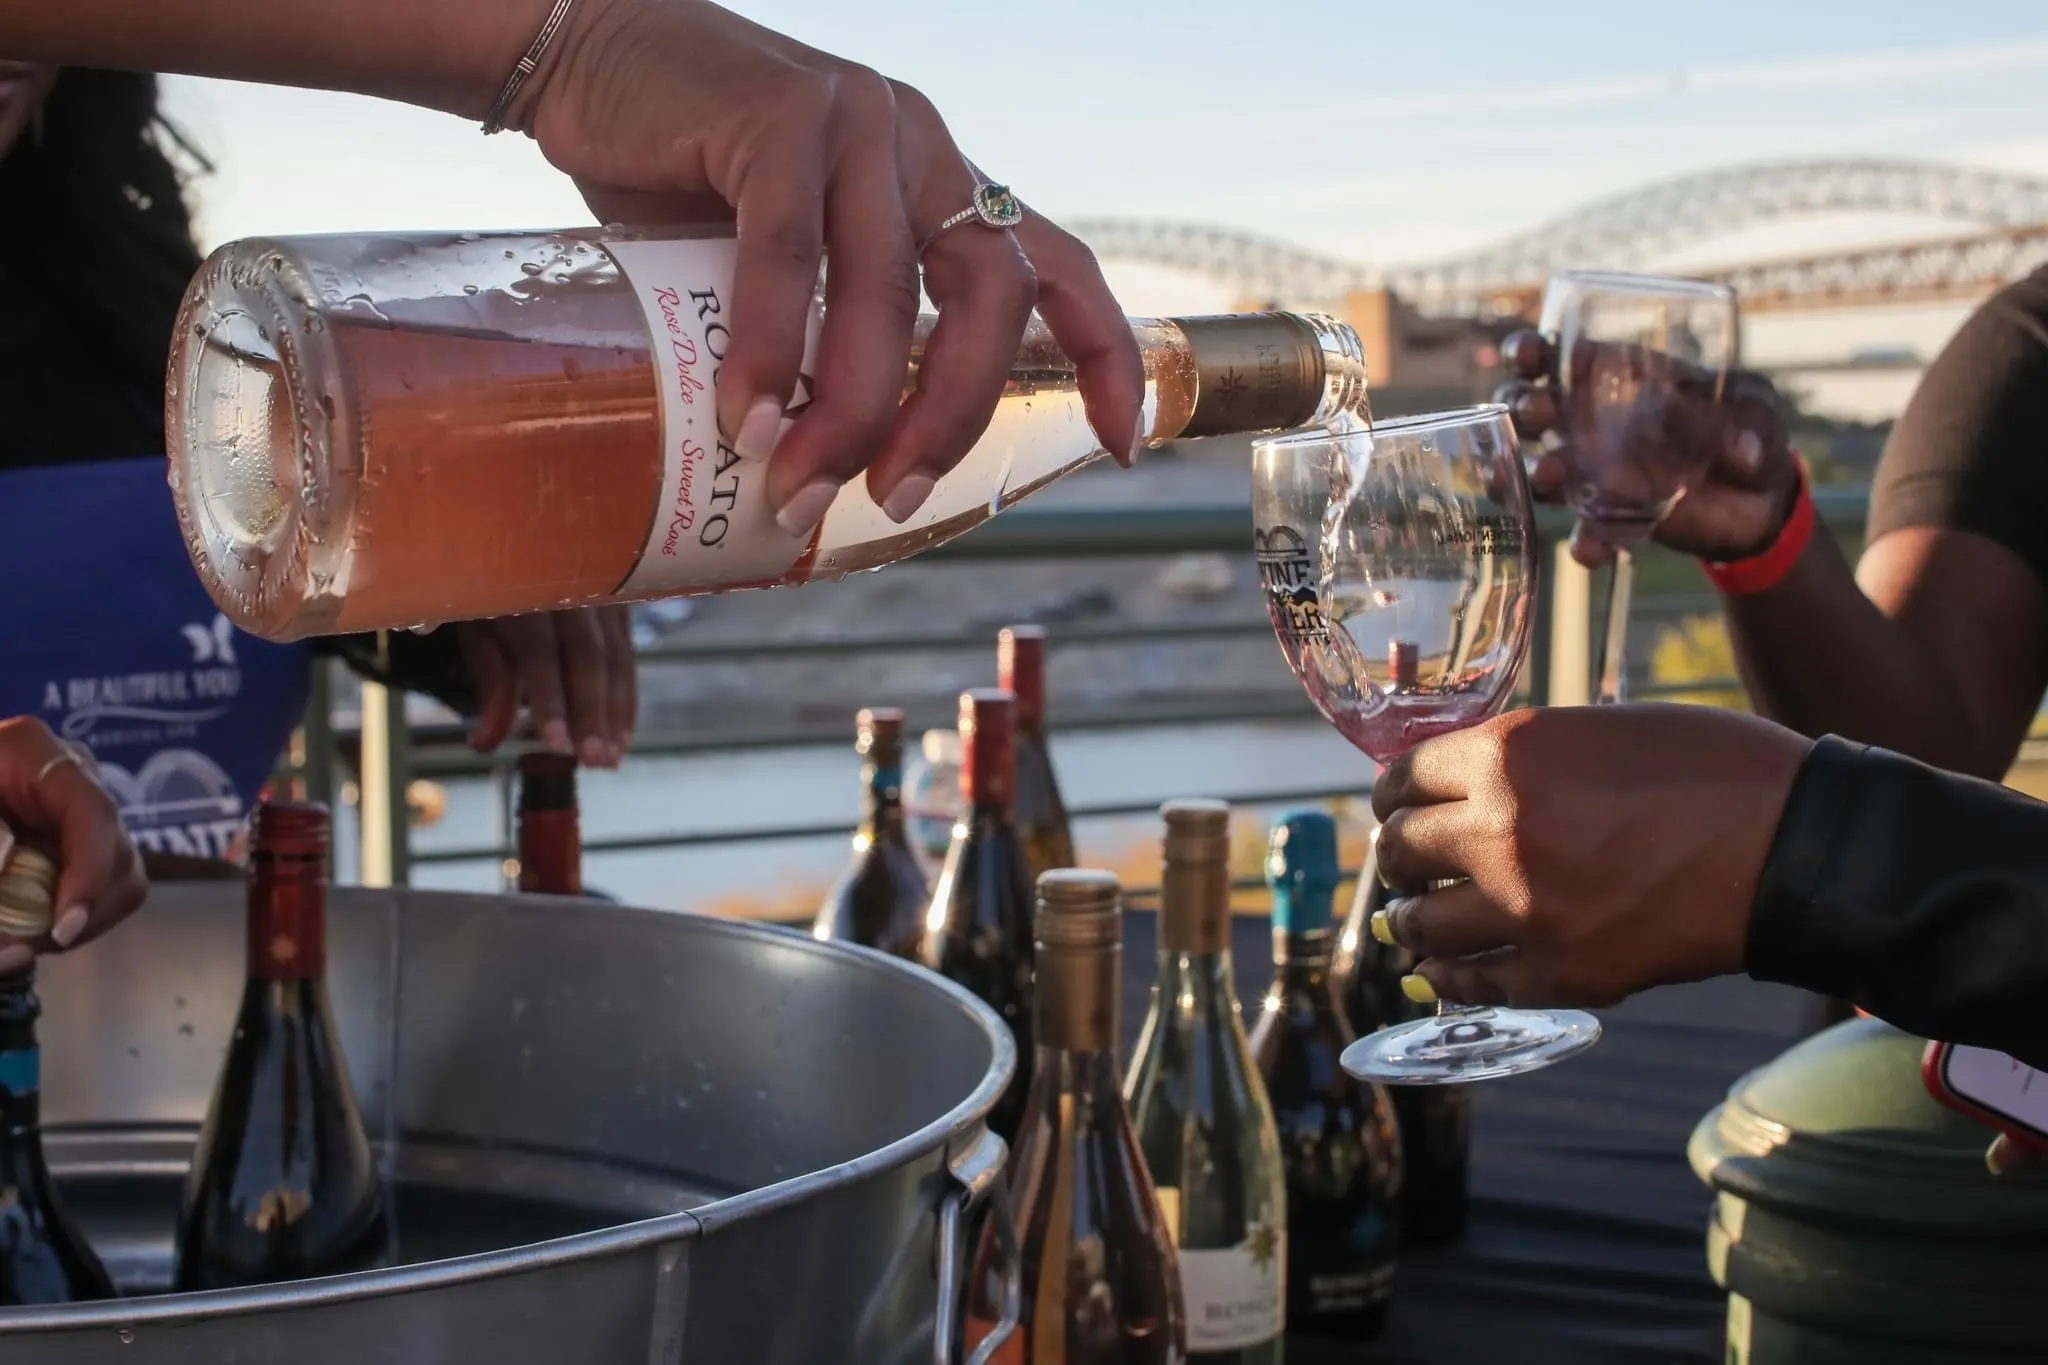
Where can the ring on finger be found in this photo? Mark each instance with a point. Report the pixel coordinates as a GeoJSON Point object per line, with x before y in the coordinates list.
{"type": "Point", "coordinates": [993, 206]}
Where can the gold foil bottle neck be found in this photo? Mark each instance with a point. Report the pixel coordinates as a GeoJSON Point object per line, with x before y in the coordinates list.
{"type": "Point", "coordinates": [1253, 372]}
{"type": "Point", "coordinates": [1079, 929]}
{"type": "Point", "coordinates": [1194, 900]}
{"type": "Point", "coordinates": [1080, 907]}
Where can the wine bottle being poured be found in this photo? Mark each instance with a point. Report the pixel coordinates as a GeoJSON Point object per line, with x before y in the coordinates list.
{"type": "Point", "coordinates": [379, 431]}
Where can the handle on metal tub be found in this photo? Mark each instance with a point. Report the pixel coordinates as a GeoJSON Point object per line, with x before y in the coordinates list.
{"type": "Point", "coordinates": [978, 1172]}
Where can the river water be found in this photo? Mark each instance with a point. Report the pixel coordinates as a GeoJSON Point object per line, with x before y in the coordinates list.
{"type": "Point", "coordinates": [816, 785]}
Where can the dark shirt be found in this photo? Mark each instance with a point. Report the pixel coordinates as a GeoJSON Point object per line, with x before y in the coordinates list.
{"type": "Point", "coordinates": [1920, 895]}
{"type": "Point", "coordinates": [1971, 449]}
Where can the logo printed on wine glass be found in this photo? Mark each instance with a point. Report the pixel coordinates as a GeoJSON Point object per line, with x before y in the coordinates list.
{"type": "Point", "coordinates": [1287, 570]}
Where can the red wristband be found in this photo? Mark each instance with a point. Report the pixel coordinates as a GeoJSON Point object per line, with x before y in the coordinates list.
{"type": "Point", "coordinates": [1766, 570]}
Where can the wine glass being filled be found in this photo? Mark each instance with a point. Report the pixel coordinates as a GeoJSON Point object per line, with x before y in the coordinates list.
{"type": "Point", "coordinates": [1399, 566]}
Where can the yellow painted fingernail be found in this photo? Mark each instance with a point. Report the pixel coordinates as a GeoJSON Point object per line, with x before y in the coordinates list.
{"type": "Point", "coordinates": [1418, 990]}
{"type": "Point", "coordinates": [1382, 927]}
{"type": "Point", "coordinates": [1991, 1161]}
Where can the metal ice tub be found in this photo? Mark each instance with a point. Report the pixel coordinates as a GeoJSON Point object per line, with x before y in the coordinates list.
{"type": "Point", "coordinates": [617, 1136]}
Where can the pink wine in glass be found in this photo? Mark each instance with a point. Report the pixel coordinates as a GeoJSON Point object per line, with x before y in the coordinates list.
{"type": "Point", "coordinates": [1399, 563]}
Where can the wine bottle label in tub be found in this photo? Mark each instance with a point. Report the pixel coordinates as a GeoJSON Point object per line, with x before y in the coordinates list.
{"type": "Point", "coordinates": [713, 526]}
{"type": "Point", "coordinates": [1237, 1296]}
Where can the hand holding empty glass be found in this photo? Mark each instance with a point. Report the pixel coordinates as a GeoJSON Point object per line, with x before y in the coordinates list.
{"type": "Point", "coordinates": [1626, 377]}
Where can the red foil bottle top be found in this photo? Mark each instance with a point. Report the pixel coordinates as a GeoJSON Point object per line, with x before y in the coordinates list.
{"type": "Point", "coordinates": [547, 781]}
{"type": "Point", "coordinates": [1404, 660]}
{"type": "Point", "coordinates": [988, 747]}
{"type": "Point", "coordinates": [1020, 668]}
{"type": "Point", "coordinates": [287, 927]}
{"type": "Point", "coordinates": [290, 829]}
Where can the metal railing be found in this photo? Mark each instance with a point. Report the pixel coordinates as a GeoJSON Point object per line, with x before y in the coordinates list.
{"type": "Point", "coordinates": [1560, 672]}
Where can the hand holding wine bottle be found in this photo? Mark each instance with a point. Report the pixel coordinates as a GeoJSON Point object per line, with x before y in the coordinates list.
{"type": "Point", "coordinates": [51, 803]}
{"type": "Point", "coordinates": [677, 111]}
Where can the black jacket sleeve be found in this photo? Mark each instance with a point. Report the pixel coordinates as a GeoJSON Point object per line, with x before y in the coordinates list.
{"type": "Point", "coordinates": [1920, 895]}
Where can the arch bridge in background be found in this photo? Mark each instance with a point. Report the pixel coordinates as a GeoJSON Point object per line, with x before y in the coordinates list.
{"type": "Point", "coordinates": [1633, 229]}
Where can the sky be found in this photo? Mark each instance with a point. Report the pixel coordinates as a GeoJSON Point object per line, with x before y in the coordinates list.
{"type": "Point", "coordinates": [1383, 131]}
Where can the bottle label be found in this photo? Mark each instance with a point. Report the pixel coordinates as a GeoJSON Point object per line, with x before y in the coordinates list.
{"type": "Point", "coordinates": [713, 526]}
{"type": "Point", "coordinates": [1237, 1297]}
{"type": "Point", "coordinates": [1351, 1291]}
{"type": "Point", "coordinates": [21, 1071]}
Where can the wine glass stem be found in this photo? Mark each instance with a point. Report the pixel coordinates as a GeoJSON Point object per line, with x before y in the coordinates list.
{"type": "Point", "coordinates": [1614, 640]}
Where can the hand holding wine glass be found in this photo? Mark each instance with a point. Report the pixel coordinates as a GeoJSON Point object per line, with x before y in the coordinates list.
{"type": "Point", "coordinates": [1528, 811]}
{"type": "Point", "coordinates": [1634, 376]}
{"type": "Point", "coordinates": [1733, 511]}
{"type": "Point", "coordinates": [1400, 565]}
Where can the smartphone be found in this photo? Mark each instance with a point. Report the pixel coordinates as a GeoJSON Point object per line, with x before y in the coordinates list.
{"type": "Point", "coordinates": [1990, 1087]}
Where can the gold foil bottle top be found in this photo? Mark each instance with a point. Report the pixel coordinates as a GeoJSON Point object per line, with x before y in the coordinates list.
{"type": "Point", "coordinates": [1194, 899]}
{"type": "Point", "coordinates": [1253, 372]}
{"type": "Point", "coordinates": [1197, 828]}
{"type": "Point", "coordinates": [1079, 907]}
{"type": "Point", "coordinates": [1079, 930]}
{"type": "Point", "coordinates": [28, 893]}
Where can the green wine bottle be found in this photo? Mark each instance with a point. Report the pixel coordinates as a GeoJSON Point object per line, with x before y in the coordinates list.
{"type": "Point", "coordinates": [1203, 1119]}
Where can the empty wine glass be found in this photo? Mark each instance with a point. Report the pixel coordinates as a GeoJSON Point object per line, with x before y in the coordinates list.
{"type": "Point", "coordinates": [1633, 359]}
{"type": "Point", "coordinates": [1399, 567]}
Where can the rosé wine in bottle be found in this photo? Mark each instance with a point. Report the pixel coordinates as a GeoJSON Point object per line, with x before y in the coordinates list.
{"type": "Point", "coordinates": [378, 431]}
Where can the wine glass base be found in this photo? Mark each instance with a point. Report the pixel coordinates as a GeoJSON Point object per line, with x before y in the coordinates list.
{"type": "Point", "coordinates": [1463, 1045]}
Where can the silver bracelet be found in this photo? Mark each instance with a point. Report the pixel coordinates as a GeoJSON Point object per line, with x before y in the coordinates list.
{"type": "Point", "coordinates": [494, 122]}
